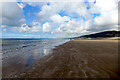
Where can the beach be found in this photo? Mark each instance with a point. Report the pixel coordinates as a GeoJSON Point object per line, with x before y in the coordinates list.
{"type": "Point", "coordinates": [19, 55]}
{"type": "Point", "coordinates": [66, 39]}
{"type": "Point", "coordinates": [78, 59]}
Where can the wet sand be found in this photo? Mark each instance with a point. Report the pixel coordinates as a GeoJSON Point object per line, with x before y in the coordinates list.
{"type": "Point", "coordinates": [78, 59]}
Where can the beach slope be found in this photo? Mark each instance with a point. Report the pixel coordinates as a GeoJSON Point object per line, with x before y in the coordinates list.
{"type": "Point", "coordinates": [79, 59]}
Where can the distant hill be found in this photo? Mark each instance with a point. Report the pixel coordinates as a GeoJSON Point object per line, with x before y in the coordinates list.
{"type": "Point", "coordinates": [105, 34]}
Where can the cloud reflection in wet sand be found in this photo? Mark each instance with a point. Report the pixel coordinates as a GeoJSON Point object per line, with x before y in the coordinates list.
{"type": "Point", "coordinates": [23, 58]}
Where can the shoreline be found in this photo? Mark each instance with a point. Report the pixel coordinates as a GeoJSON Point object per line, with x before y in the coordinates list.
{"type": "Point", "coordinates": [25, 57]}
{"type": "Point", "coordinates": [78, 59]}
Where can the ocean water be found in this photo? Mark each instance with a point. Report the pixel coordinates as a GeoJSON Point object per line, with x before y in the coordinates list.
{"type": "Point", "coordinates": [24, 53]}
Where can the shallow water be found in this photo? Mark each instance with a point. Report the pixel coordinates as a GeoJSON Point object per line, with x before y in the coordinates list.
{"type": "Point", "coordinates": [20, 55]}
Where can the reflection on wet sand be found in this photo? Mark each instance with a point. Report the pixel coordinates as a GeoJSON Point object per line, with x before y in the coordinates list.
{"type": "Point", "coordinates": [23, 59]}
{"type": "Point", "coordinates": [79, 59]}
{"type": "Point", "coordinates": [46, 51]}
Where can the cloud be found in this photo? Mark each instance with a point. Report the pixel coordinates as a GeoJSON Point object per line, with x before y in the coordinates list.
{"type": "Point", "coordinates": [36, 3]}
{"type": "Point", "coordinates": [45, 13]}
{"type": "Point", "coordinates": [46, 27]}
{"type": "Point", "coordinates": [49, 10]}
{"type": "Point", "coordinates": [50, 13]}
{"type": "Point", "coordinates": [54, 22]}
{"type": "Point", "coordinates": [21, 5]}
{"type": "Point", "coordinates": [109, 12]}
{"type": "Point", "coordinates": [58, 19]}
{"type": "Point", "coordinates": [110, 18]}
{"type": "Point", "coordinates": [12, 14]}
{"type": "Point", "coordinates": [30, 28]}
{"type": "Point", "coordinates": [73, 26]}
{"type": "Point", "coordinates": [107, 19]}
{"type": "Point", "coordinates": [77, 18]}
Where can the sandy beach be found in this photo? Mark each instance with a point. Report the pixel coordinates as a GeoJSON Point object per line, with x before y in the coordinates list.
{"type": "Point", "coordinates": [78, 59]}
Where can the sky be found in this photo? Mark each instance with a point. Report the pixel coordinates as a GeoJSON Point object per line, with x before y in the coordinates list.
{"type": "Point", "coordinates": [57, 19]}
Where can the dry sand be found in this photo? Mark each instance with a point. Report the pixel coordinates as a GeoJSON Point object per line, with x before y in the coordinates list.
{"type": "Point", "coordinates": [78, 59]}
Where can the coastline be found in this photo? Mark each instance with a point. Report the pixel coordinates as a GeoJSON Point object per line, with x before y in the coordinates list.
{"type": "Point", "coordinates": [21, 57]}
{"type": "Point", "coordinates": [78, 59]}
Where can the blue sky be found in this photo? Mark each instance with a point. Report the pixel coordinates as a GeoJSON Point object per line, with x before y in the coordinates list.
{"type": "Point", "coordinates": [55, 20]}
{"type": "Point", "coordinates": [29, 13]}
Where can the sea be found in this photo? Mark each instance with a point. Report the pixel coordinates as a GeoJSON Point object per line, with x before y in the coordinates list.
{"type": "Point", "coordinates": [22, 54]}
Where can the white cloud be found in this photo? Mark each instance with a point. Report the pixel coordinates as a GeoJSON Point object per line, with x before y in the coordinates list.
{"type": "Point", "coordinates": [12, 14]}
{"type": "Point", "coordinates": [24, 28]}
{"type": "Point", "coordinates": [54, 23]}
{"type": "Point", "coordinates": [45, 13]}
{"type": "Point", "coordinates": [36, 3]}
{"type": "Point", "coordinates": [107, 20]}
{"type": "Point", "coordinates": [58, 19]}
{"type": "Point", "coordinates": [49, 12]}
{"type": "Point", "coordinates": [46, 27]}
{"type": "Point", "coordinates": [21, 5]}
{"type": "Point", "coordinates": [109, 12]}
{"type": "Point", "coordinates": [36, 27]}
{"type": "Point", "coordinates": [31, 28]}
{"type": "Point", "coordinates": [73, 26]}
